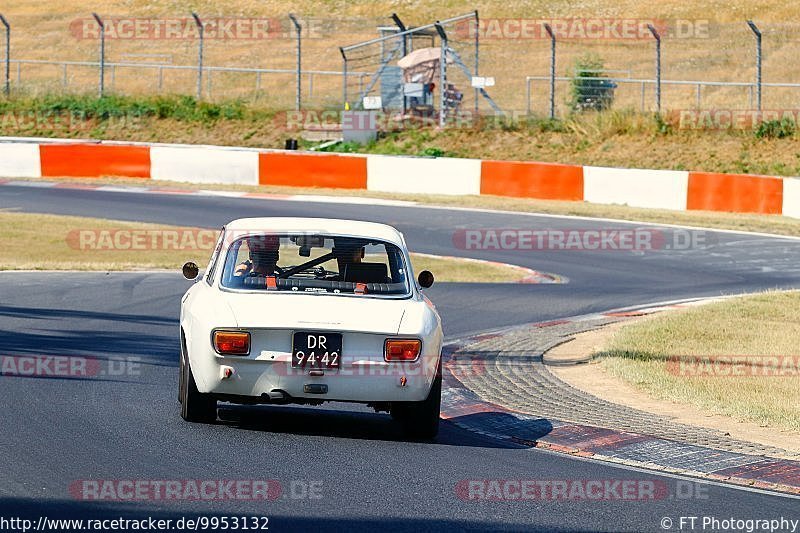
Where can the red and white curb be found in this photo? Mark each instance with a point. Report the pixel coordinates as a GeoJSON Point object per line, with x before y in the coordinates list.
{"type": "Point", "coordinates": [631, 311]}
{"type": "Point", "coordinates": [465, 409]}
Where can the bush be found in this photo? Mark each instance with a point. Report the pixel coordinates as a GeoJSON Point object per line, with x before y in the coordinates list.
{"type": "Point", "coordinates": [432, 151]}
{"type": "Point", "coordinates": [776, 129]}
{"type": "Point", "coordinates": [588, 88]}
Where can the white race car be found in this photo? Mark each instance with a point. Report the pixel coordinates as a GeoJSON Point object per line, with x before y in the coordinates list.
{"type": "Point", "coordinates": [309, 310]}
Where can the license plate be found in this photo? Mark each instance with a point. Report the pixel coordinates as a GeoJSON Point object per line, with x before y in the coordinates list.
{"type": "Point", "coordinates": [316, 350]}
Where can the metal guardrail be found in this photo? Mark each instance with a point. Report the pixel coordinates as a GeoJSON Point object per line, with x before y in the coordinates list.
{"type": "Point", "coordinates": [161, 67]}
{"type": "Point", "coordinates": [643, 83]}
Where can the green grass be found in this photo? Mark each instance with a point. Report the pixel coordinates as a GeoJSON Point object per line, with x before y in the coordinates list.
{"type": "Point", "coordinates": [86, 107]}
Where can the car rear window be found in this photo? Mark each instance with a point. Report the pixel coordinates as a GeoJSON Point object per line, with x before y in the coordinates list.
{"type": "Point", "coordinates": [325, 264]}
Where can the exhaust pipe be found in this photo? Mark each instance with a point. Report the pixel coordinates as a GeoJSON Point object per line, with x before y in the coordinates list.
{"type": "Point", "coordinates": [277, 396]}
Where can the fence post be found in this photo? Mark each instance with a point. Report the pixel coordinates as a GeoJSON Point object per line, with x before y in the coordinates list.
{"type": "Point", "coordinates": [7, 86]}
{"type": "Point", "coordinates": [102, 53]}
{"type": "Point", "coordinates": [757, 33]}
{"type": "Point", "coordinates": [404, 50]}
{"type": "Point", "coordinates": [298, 29]}
{"type": "Point", "coordinates": [658, 66]}
{"type": "Point", "coordinates": [442, 74]}
{"type": "Point", "coordinates": [527, 96]}
{"type": "Point", "coordinates": [477, 57]}
{"type": "Point", "coordinates": [344, 77]}
{"type": "Point", "coordinates": [552, 70]}
{"type": "Point", "coordinates": [200, 30]}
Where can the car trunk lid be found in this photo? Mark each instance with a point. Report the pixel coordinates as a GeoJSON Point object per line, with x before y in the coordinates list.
{"type": "Point", "coordinates": [317, 311]}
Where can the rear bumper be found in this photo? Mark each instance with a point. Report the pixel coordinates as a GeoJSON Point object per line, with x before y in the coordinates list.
{"type": "Point", "coordinates": [359, 381]}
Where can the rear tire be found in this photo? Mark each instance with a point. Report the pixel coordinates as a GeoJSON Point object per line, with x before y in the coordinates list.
{"type": "Point", "coordinates": [420, 420]}
{"type": "Point", "coordinates": [195, 405]}
{"type": "Point", "coordinates": [180, 378]}
{"type": "Point", "coordinates": [181, 358]}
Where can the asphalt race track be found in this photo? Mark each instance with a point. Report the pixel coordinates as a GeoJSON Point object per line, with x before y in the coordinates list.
{"type": "Point", "coordinates": [340, 467]}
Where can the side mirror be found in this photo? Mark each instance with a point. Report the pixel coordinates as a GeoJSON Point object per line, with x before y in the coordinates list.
{"type": "Point", "coordinates": [190, 270]}
{"type": "Point", "coordinates": [425, 279]}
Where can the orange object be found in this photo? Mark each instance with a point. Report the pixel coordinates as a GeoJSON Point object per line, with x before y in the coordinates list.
{"type": "Point", "coordinates": [546, 181]}
{"type": "Point", "coordinates": [402, 350]}
{"type": "Point", "coordinates": [232, 342]}
{"type": "Point", "coordinates": [312, 170]}
{"type": "Point", "coordinates": [94, 160]}
{"type": "Point", "coordinates": [738, 193]}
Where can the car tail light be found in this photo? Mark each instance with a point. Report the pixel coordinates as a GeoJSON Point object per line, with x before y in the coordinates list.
{"type": "Point", "coordinates": [402, 350]}
{"type": "Point", "coordinates": [232, 342]}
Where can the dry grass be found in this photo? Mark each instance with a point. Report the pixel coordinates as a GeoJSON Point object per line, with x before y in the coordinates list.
{"type": "Point", "coordinates": [456, 270]}
{"type": "Point", "coordinates": [612, 139]}
{"type": "Point", "coordinates": [43, 242]}
{"type": "Point", "coordinates": [776, 224]}
{"type": "Point", "coordinates": [757, 326]}
{"type": "Point", "coordinates": [50, 242]}
{"type": "Point", "coordinates": [41, 31]}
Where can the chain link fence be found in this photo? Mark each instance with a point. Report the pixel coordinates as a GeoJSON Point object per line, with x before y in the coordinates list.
{"type": "Point", "coordinates": [520, 67]}
{"type": "Point", "coordinates": [407, 73]}
{"type": "Point", "coordinates": [702, 65]}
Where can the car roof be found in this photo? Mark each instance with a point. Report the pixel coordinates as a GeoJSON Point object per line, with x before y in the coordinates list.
{"type": "Point", "coordinates": [319, 226]}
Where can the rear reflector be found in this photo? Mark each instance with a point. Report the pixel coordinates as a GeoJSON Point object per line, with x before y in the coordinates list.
{"type": "Point", "coordinates": [232, 342]}
{"type": "Point", "coordinates": [402, 350]}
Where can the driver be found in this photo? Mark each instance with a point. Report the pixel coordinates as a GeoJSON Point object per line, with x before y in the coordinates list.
{"type": "Point", "coordinates": [263, 250]}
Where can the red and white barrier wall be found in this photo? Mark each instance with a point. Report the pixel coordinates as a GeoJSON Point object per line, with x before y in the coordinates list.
{"type": "Point", "coordinates": [660, 189]}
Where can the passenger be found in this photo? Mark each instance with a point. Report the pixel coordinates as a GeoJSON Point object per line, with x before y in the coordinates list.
{"type": "Point", "coordinates": [263, 252]}
{"type": "Point", "coordinates": [347, 252]}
